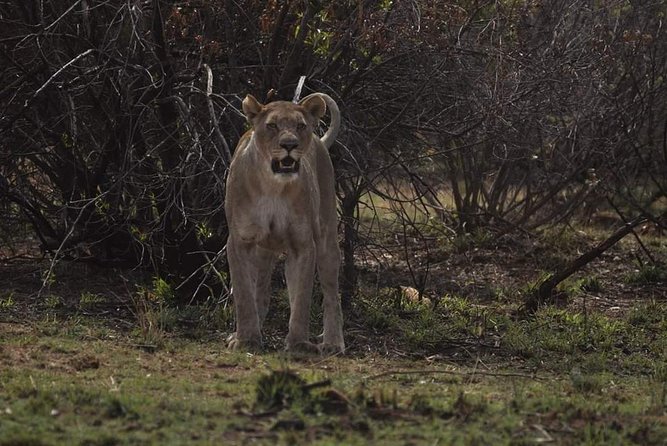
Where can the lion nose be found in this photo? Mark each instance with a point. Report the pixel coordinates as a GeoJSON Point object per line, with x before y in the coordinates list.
{"type": "Point", "coordinates": [289, 145]}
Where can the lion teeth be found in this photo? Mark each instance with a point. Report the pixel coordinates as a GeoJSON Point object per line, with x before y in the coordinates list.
{"type": "Point", "coordinates": [287, 165]}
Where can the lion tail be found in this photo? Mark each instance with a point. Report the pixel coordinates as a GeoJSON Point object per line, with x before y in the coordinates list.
{"type": "Point", "coordinates": [334, 126]}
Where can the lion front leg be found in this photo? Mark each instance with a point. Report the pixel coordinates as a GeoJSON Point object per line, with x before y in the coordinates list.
{"type": "Point", "coordinates": [266, 263]}
{"type": "Point", "coordinates": [243, 273]}
{"type": "Point", "coordinates": [299, 271]}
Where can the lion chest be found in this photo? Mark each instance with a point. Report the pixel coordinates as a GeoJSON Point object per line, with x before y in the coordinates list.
{"type": "Point", "coordinates": [273, 223]}
{"type": "Point", "coordinates": [273, 215]}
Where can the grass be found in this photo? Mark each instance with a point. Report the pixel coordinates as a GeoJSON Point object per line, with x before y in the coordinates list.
{"type": "Point", "coordinates": [426, 327]}
{"type": "Point", "coordinates": [65, 396]}
{"type": "Point", "coordinates": [647, 274]}
{"type": "Point", "coordinates": [564, 376]}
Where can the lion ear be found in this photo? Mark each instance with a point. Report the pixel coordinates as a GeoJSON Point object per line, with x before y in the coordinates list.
{"type": "Point", "coordinates": [314, 105]}
{"type": "Point", "coordinates": [251, 107]}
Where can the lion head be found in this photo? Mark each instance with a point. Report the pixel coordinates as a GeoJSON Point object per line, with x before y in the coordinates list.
{"type": "Point", "coordinates": [283, 131]}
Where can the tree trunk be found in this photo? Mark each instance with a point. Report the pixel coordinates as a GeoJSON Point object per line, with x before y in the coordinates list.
{"type": "Point", "coordinates": [349, 276]}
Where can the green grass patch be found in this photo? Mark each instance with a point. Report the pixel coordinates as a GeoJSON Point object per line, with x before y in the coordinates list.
{"type": "Point", "coordinates": [561, 377]}
{"type": "Point", "coordinates": [425, 326]}
{"type": "Point", "coordinates": [647, 274]}
{"type": "Point", "coordinates": [560, 339]}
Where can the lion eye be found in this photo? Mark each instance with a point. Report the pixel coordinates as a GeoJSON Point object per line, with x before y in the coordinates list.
{"type": "Point", "coordinates": [272, 126]}
{"type": "Point", "coordinates": [300, 126]}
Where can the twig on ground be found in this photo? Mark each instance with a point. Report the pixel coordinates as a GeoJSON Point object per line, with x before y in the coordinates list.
{"type": "Point", "coordinates": [454, 372]}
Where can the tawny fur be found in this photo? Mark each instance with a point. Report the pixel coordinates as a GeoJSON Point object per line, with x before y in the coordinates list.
{"type": "Point", "coordinates": [272, 213]}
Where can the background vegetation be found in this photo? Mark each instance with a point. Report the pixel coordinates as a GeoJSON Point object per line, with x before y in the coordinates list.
{"type": "Point", "coordinates": [502, 184]}
{"type": "Point", "coordinates": [461, 117]}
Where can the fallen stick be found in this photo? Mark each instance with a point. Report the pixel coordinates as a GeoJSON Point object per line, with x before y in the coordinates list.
{"type": "Point", "coordinates": [544, 294]}
{"type": "Point", "coordinates": [453, 372]}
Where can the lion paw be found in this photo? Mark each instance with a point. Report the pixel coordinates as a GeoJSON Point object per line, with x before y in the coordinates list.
{"type": "Point", "coordinates": [302, 348]}
{"type": "Point", "coordinates": [327, 349]}
{"type": "Point", "coordinates": [249, 345]}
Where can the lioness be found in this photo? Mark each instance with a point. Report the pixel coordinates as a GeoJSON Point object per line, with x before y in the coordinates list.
{"type": "Point", "coordinates": [280, 198]}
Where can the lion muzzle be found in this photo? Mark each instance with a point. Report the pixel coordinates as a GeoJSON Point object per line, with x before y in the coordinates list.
{"type": "Point", "coordinates": [287, 165]}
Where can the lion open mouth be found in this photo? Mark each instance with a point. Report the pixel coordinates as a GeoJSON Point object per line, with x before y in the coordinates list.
{"type": "Point", "coordinates": [285, 165]}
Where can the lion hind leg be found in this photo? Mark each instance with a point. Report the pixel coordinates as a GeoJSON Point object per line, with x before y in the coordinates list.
{"type": "Point", "coordinates": [328, 264]}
